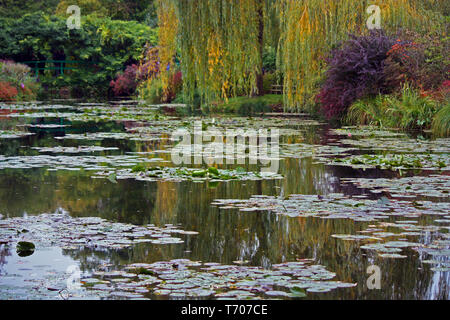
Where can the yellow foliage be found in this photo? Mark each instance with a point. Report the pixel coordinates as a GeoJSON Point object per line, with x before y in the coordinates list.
{"type": "Point", "coordinates": [167, 33]}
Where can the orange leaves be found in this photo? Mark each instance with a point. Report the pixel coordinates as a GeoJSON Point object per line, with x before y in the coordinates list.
{"type": "Point", "coordinates": [7, 92]}
{"type": "Point", "coordinates": [215, 53]}
{"type": "Point", "coordinates": [305, 26]}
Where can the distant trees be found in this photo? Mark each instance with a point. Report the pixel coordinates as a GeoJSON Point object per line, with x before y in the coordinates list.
{"type": "Point", "coordinates": [16, 9]}
{"type": "Point", "coordinates": [102, 46]}
{"type": "Point", "coordinates": [140, 10]}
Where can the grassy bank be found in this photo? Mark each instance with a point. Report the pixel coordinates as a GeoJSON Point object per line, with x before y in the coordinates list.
{"type": "Point", "coordinates": [248, 105]}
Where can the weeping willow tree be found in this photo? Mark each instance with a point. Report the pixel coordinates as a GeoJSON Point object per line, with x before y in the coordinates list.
{"type": "Point", "coordinates": [221, 44]}
{"type": "Point", "coordinates": [221, 41]}
{"type": "Point", "coordinates": [311, 27]}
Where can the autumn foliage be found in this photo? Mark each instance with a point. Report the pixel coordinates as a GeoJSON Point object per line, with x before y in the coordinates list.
{"type": "Point", "coordinates": [7, 92]}
{"type": "Point", "coordinates": [16, 82]}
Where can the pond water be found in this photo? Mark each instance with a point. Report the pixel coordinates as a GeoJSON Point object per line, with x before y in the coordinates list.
{"type": "Point", "coordinates": [343, 202]}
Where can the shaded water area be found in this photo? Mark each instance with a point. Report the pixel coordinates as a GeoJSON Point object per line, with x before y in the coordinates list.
{"type": "Point", "coordinates": [74, 161]}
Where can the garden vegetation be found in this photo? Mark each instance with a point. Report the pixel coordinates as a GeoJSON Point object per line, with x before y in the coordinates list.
{"type": "Point", "coordinates": [320, 54]}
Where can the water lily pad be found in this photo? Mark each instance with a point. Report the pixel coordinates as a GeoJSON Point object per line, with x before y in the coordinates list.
{"type": "Point", "coordinates": [25, 248]}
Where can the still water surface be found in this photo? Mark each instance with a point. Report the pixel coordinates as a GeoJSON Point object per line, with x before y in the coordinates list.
{"type": "Point", "coordinates": [262, 238]}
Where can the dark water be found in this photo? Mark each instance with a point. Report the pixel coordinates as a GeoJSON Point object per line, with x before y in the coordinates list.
{"type": "Point", "coordinates": [262, 238]}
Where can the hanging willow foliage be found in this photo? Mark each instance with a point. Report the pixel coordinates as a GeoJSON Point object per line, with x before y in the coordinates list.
{"type": "Point", "coordinates": [167, 34]}
{"type": "Point", "coordinates": [221, 46]}
{"type": "Point", "coordinates": [157, 63]}
{"type": "Point", "coordinates": [310, 28]}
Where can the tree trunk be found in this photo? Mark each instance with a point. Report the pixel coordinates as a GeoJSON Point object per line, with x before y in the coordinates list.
{"type": "Point", "coordinates": [259, 75]}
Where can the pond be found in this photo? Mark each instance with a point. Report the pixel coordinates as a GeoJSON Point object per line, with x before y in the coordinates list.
{"type": "Point", "coordinates": [95, 189]}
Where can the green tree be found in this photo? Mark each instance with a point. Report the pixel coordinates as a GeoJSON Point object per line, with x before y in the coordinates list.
{"type": "Point", "coordinates": [16, 9]}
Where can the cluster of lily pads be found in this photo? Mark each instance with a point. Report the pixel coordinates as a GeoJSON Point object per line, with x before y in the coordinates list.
{"type": "Point", "coordinates": [220, 152]}
{"type": "Point", "coordinates": [14, 134]}
{"type": "Point", "coordinates": [183, 278]}
{"type": "Point", "coordinates": [365, 131]}
{"type": "Point", "coordinates": [45, 126]}
{"type": "Point", "coordinates": [33, 106]}
{"type": "Point", "coordinates": [62, 230]}
{"type": "Point", "coordinates": [33, 115]}
{"type": "Point", "coordinates": [271, 151]}
{"type": "Point", "coordinates": [73, 150]}
{"type": "Point", "coordinates": [319, 152]}
{"type": "Point", "coordinates": [403, 152]}
{"type": "Point", "coordinates": [334, 206]}
{"type": "Point", "coordinates": [97, 136]}
{"type": "Point", "coordinates": [395, 161]}
{"type": "Point", "coordinates": [143, 172]}
{"type": "Point", "coordinates": [63, 162]}
{"type": "Point", "coordinates": [117, 167]}
{"type": "Point", "coordinates": [426, 186]}
{"type": "Point", "coordinates": [391, 244]}
{"type": "Point", "coordinates": [87, 114]}
{"type": "Point", "coordinates": [400, 145]}
{"type": "Point", "coordinates": [168, 125]}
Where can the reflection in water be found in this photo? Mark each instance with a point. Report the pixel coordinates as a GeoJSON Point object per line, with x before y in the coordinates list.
{"type": "Point", "coordinates": [262, 238]}
{"type": "Point", "coordinates": [5, 252]}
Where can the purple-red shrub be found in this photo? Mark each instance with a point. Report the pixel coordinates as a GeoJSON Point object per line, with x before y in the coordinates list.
{"type": "Point", "coordinates": [355, 71]}
{"type": "Point", "coordinates": [175, 86]}
{"type": "Point", "coordinates": [126, 82]}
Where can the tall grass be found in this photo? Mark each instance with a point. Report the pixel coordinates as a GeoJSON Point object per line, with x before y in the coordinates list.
{"type": "Point", "coordinates": [407, 111]}
{"type": "Point", "coordinates": [367, 112]}
{"type": "Point", "coordinates": [441, 122]}
{"type": "Point", "coordinates": [411, 110]}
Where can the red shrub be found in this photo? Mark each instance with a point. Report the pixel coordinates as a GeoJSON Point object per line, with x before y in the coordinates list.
{"type": "Point", "coordinates": [7, 92]}
{"type": "Point", "coordinates": [125, 83]}
{"type": "Point", "coordinates": [421, 60]}
{"type": "Point", "coordinates": [440, 94]}
{"type": "Point", "coordinates": [175, 86]}
{"type": "Point", "coordinates": [403, 64]}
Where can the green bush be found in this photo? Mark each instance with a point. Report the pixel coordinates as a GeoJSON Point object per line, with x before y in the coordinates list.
{"type": "Point", "coordinates": [248, 105]}
{"type": "Point", "coordinates": [141, 10]}
{"type": "Point", "coordinates": [411, 110]}
{"type": "Point", "coordinates": [269, 79]}
{"type": "Point", "coordinates": [152, 93]}
{"type": "Point", "coordinates": [369, 111]}
{"type": "Point", "coordinates": [269, 59]}
{"type": "Point", "coordinates": [253, 108]}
